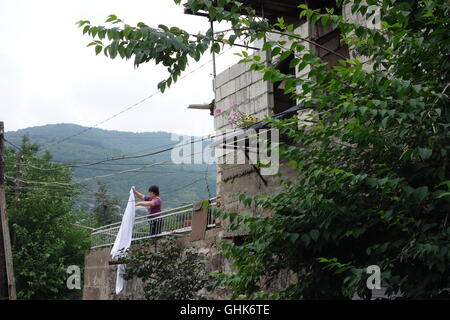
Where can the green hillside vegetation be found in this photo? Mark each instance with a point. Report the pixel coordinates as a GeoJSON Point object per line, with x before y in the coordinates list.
{"type": "Point", "coordinates": [179, 184]}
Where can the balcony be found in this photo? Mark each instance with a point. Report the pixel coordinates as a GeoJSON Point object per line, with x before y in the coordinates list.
{"type": "Point", "coordinates": [171, 221]}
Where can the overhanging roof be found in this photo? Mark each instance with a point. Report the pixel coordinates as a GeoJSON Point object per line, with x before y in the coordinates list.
{"type": "Point", "coordinates": [227, 136]}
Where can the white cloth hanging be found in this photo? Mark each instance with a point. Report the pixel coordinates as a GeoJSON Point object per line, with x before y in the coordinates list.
{"type": "Point", "coordinates": [123, 240]}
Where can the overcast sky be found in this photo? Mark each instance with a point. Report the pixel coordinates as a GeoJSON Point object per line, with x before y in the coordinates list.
{"type": "Point", "coordinates": [48, 75]}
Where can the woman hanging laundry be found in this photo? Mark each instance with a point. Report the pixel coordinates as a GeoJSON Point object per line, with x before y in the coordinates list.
{"type": "Point", "coordinates": [153, 203]}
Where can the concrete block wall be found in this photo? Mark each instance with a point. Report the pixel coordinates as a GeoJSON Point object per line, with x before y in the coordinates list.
{"type": "Point", "coordinates": [248, 92]}
{"type": "Point", "coordinates": [100, 277]}
{"type": "Point", "coordinates": [238, 88]}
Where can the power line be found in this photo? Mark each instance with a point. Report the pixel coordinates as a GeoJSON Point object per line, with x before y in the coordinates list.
{"type": "Point", "coordinates": [124, 157]}
{"type": "Point", "coordinates": [126, 109]}
{"type": "Point", "coordinates": [166, 145]}
{"type": "Point", "coordinates": [92, 195]}
{"type": "Point", "coordinates": [206, 182]}
{"type": "Point", "coordinates": [42, 169]}
{"type": "Point", "coordinates": [57, 162]}
{"type": "Point", "coordinates": [67, 191]}
{"type": "Point", "coordinates": [97, 177]}
{"type": "Point", "coordinates": [47, 183]}
{"type": "Point", "coordinates": [209, 137]}
{"type": "Point", "coordinates": [76, 162]}
{"type": "Point", "coordinates": [148, 171]}
{"type": "Point", "coordinates": [13, 145]}
{"type": "Point", "coordinates": [86, 179]}
{"type": "Point", "coordinates": [185, 186]}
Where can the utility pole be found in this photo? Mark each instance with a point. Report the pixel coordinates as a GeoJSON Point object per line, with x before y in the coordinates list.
{"type": "Point", "coordinates": [18, 177]}
{"type": "Point", "coordinates": [5, 241]}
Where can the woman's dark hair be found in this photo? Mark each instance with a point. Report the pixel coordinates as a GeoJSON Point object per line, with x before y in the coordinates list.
{"type": "Point", "coordinates": [154, 189]}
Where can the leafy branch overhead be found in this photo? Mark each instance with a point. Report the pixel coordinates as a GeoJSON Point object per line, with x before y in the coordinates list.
{"type": "Point", "coordinates": [169, 46]}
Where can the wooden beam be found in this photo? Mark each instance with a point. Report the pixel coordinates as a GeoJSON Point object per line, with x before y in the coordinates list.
{"type": "Point", "coordinates": [4, 223]}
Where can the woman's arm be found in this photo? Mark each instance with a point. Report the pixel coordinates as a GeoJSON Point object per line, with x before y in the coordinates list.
{"type": "Point", "coordinates": [138, 194]}
{"type": "Point", "coordinates": [145, 203]}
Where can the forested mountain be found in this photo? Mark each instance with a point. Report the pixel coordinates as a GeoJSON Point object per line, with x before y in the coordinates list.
{"type": "Point", "coordinates": [179, 183]}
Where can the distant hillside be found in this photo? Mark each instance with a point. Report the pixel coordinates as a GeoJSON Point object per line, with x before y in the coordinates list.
{"type": "Point", "coordinates": [179, 184]}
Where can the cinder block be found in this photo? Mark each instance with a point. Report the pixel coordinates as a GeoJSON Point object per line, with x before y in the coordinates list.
{"type": "Point", "coordinates": [225, 104]}
{"type": "Point", "coordinates": [240, 82]}
{"type": "Point", "coordinates": [218, 94]}
{"type": "Point", "coordinates": [220, 104]}
{"type": "Point", "coordinates": [232, 101]}
{"type": "Point", "coordinates": [222, 78]}
{"type": "Point", "coordinates": [252, 107]}
{"type": "Point", "coordinates": [256, 76]}
{"type": "Point", "coordinates": [238, 69]}
{"type": "Point", "coordinates": [263, 87]}
{"type": "Point", "coordinates": [218, 121]}
{"type": "Point", "coordinates": [246, 79]}
{"type": "Point", "coordinates": [302, 30]}
{"type": "Point", "coordinates": [245, 108]}
{"type": "Point", "coordinates": [232, 72]}
{"type": "Point", "coordinates": [257, 105]}
{"type": "Point", "coordinates": [253, 91]}
{"type": "Point", "coordinates": [241, 96]}
{"type": "Point", "coordinates": [229, 88]}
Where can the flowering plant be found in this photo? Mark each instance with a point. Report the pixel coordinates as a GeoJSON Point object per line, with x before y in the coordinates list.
{"type": "Point", "coordinates": [241, 120]}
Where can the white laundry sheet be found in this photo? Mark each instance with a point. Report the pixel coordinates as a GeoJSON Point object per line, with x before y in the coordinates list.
{"type": "Point", "coordinates": [123, 240]}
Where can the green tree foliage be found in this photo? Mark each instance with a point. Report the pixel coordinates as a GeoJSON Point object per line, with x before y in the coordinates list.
{"type": "Point", "coordinates": [372, 183]}
{"type": "Point", "coordinates": [106, 209]}
{"type": "Point", "coordinates": [169, 270]}
{"type": "Point", "coordinates": [169, 46]}
{"type": "Point", "coordinates": [45, 242]}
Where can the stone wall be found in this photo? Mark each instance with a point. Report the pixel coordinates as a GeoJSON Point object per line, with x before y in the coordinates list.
{"type": "Point", "coordinates": [245, 90]}
{"type": "Point", "coordinates": [238, 88]}
{"type": "Point", "coordinates": [100, 277]}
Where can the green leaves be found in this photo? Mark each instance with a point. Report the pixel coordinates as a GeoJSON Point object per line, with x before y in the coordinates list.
{"type": "Point", "coordinates": [168, 46]}
{"type": "Point", "coordinates": [306, 239]}
{"type": "Point", "coordinates": [369, 161]}
{"type": "Point", "coordinates": [166, 271]}
{"type": "Point", "coordinates": [418, 194]}
{"type": "Point", "coordinates": [425, 153]}
{"type": "Point", "coordinates": [162, 86]}
{"type": "Point", "coordinates": [45, 240]}
{"type": "Point", "coordinates": [113, 18]}
{"type": "Point", "coordinates": [293, 237]}
{"type": "Point", "coordinates": [98, 49]}
{"type": "Point", "coordinates": [127, 31]}
{"type": "Point", "coordinates": [82, 23]}
{"type": "Point", "coordinates": [314, 234]}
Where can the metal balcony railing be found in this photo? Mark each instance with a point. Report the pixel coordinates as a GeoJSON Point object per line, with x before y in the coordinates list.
{"type": "Point", "coordinates": [177, 220]}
